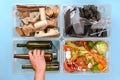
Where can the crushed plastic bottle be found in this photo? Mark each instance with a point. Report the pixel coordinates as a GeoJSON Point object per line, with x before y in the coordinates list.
{"type": "Point", "coordinates": [78, 28]}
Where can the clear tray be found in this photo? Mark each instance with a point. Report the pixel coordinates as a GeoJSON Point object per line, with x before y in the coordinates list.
{"type": "Point", "coordinates": [17, 22]}
{"type": "Point", "coordinates": [107, 55]}
{"type": "Point", "coordinates": [17, 63]}
{"type": "Point", "coordinates": [105, 11]}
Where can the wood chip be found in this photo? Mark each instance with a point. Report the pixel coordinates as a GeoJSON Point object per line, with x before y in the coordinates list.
{"type": "Point", "coordinates": [28, 8]}
{"type": "Point", "coordinates": [19, 31]}
{"type": "Point", "coordinates": [56, 10]}
{"type": "Point", "coordinates": [49, 12]}
{"type": "Point", "coordinates": [28, 29]}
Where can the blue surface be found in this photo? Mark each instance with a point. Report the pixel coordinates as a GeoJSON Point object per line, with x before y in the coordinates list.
{"type": "Point", "coordinates": [6, 42]}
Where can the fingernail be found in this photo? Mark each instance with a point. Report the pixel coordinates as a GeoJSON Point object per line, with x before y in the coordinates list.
{"type": "Point", "coordinates": [30, 51]}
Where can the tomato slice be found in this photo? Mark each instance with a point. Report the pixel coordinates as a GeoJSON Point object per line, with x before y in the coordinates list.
{"type": "Point", "coordinates": [67, 47]}
{"type": "Point", "coordinates": [70, 66]}
{"type": "Point", "coordinates": [67, 68]}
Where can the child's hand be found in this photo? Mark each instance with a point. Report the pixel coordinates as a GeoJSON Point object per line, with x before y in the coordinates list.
{"type": "Point", "coordinates": [37, 60]}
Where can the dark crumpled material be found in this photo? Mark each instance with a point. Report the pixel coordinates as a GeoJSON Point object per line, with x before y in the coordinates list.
{"type": "Point", "coordinates": [88, 14]}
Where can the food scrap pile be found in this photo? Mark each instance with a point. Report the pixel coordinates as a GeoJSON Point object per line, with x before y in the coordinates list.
{"type": "Point", "coordinates": [85, 56]}
{"type": "Point", "coordinates": [38, 21]}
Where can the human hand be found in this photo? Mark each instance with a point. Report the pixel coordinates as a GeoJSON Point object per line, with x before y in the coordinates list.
{"type": "Point", "coordinates": [37, 60]}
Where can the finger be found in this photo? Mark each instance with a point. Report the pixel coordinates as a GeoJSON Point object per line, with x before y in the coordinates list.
{"type": "Point", "coordinates": [30, 53]}
{"type": "Point", "coordinates": [42, 53]}
{"type": "Point", "coordinates": [34, 53]}
{"type": "Point", "coordinates": [38, 52]}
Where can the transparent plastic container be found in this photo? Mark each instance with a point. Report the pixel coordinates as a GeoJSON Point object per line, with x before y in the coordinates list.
{"type": "Point", "coordinates": [17, 63]}
{"type": "Point", "coordinates": [107, 56]}
{"type": "Point", "coordinates": [18, 22]}
{"type": "Point", "coordinates": [104, 23]}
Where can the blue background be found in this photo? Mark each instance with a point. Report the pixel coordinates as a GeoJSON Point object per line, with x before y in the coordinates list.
{"type": "Point", "coordinates": [6, 42]}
